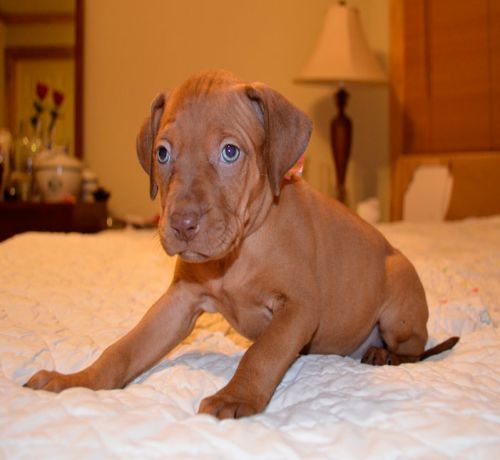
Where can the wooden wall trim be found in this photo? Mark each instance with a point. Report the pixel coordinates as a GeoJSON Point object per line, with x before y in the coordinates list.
{"type": "Point", "coordinates": [396, 93]}
{"type": "Point", "coordinates": [39, 52]}
{"type": "Point", "coordinates": [79, 75]}
{"type": "Point", "coordinates": [17, 19]}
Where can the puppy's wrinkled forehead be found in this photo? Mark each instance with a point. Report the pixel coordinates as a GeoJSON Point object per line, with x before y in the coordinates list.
{"type": "Point", "coordinates": [202, 85]}
{"type": "Point", "coordinates": [212, 98]}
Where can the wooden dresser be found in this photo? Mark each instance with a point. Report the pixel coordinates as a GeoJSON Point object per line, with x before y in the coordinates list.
{"type": "Point", "coordinates": [19, 217]}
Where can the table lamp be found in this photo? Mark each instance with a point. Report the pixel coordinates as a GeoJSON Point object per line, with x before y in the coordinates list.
{"type": "Point", "coordinates": [342, 55]}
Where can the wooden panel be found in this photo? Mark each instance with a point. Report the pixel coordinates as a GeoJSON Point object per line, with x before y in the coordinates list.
{"type": "Point", "coordinates": [447, 76]}
{"type": "Point", "coordinates": [476, 190]}
{"type": "Point", "coordinates": [396, 78]}
{"type": "Point", "coordinates": [457, 40]}
{"type": "Point", "coordinates": [416, 126]}
{"type": "Point", "coordinates": [495, 72]}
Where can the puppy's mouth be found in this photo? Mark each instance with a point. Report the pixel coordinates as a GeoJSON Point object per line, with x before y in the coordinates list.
{"type": "Point", "coordinates": [194, 251]}
{"type": "Point", "coordinates": [194, 257]}
{"type": "Point", "coordinates": [189, 255]}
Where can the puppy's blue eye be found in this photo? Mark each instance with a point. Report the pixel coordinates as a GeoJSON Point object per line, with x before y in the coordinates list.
{"type": "Point", "coordinates": [230, 153]}
{"type": "Point", "coordinates": [162, 154]}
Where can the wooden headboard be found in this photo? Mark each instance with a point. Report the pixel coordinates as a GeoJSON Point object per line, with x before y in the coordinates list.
{"type": "Point", "coordinates": [445, 99]}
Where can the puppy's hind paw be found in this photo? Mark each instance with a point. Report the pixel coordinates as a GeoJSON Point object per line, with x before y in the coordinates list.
{"type": "Point", "coordinates": [376, 356]}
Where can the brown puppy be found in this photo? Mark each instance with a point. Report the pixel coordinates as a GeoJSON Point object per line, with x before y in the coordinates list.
{"type": "Point", "coordinates": [289, 268]}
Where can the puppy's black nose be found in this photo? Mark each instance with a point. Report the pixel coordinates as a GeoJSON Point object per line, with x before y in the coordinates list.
{"type": "Point", "coordinates": [185, 225]}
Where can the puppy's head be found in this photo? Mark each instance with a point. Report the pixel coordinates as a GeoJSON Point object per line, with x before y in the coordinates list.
{"type": "Point", "coordinates": [216, 148]}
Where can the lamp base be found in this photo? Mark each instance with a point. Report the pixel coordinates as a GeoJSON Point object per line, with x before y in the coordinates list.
{"type": "Point", "coordinates": [340, 136]}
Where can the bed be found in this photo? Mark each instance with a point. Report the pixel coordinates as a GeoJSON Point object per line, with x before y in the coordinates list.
{"type": "Point", "coordinates": [65, 297]}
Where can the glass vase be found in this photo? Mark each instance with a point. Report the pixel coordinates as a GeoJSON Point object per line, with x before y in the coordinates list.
{"type": "Point", "coordinates": [29, 145]}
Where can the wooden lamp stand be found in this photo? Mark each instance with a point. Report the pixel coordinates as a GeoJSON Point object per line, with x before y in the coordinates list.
{"type": "Point", "coordinates": [342, 54]}
{"type": "Point", "coordinates": [340, 137]}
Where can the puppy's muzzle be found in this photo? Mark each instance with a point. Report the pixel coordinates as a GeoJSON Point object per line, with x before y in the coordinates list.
{"type": "Point", "coordinates": [185, 225]}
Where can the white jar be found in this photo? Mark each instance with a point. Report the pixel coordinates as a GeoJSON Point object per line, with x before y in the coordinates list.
{"type": "Point", "coordinates": [58, 176]}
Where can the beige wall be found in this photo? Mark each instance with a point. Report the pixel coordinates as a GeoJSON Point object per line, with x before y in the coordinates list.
{"type": "Point", "coordinates": [134, 49]}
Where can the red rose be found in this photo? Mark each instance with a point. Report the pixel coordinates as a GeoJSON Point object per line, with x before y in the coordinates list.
{"type": "Point", "coordinates": [58, 98]}
{"type": "Point", "coordinates": [41, 90]}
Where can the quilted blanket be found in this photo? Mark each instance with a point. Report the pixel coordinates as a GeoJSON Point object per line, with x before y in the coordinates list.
{"type": "Point", "coordinates": [64, 298]}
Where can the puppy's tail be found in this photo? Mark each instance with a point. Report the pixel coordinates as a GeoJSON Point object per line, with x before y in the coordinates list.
{"type": "Point", "coordinates": [443, 346]}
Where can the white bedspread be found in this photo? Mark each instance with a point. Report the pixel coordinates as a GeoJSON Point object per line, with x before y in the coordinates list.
{"type": "Point", "coordinates": [64, 298]}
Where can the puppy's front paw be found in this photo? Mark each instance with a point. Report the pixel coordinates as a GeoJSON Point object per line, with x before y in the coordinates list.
{"type": "Point", "coordinates": [49, 381]}
{"type": "Point", "coordinates": [224, 406]}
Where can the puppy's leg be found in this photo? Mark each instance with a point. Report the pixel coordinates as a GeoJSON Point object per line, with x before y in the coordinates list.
{"type": "Point", "coordinates": [403, 320]}
{"type": "Point", "coordinates": [165, 324]}
{"type": "Point", "coordinates": [262, 366]}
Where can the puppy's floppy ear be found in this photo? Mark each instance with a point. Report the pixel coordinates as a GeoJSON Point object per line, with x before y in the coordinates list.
{"type": "Point", "coordinates": [146, 137]}
{"type": "Point", "coordinates": [287, 131]}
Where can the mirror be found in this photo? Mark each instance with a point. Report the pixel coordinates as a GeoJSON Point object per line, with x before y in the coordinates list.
{"type": "Point", "coordinates": [41, 79]}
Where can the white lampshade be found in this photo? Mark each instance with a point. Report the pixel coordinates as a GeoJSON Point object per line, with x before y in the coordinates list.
{"type": "Point", "coordinates": [342, 52]}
